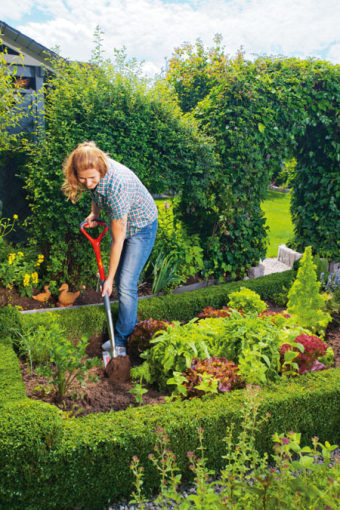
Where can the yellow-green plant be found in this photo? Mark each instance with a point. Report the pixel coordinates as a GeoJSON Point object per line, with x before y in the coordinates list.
{"type": "Point", "coordinates": [20, 270]}
{"type": "Point", "coordinates": [247, 300]}
{"type": "Point", "coordinates": [304, 301]}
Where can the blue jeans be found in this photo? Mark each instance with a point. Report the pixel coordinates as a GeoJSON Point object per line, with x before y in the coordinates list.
{"type": "Point", "coordinates": [135, 253]}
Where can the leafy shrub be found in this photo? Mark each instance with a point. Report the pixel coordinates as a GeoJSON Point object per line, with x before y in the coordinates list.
{"type": "Point", "coordinates": [173, 241]}
{"type": "Point", "coordinates": [313, 348]}
{"type": "Point", "coordinates": [221, 371]}
{"type": "Point", "coordinates": [142, 334]}
{"type": "Point", "coordinates": [304, 300]}
{"type": "Point", "coordinates": [21, 270]}
{"type": "Point", "coordinates": [246, 300]}
{"type": "Point", "coordinates": [66, 364]}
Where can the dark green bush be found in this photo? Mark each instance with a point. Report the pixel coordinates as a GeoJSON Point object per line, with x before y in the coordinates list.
{"type": "Point", "coordinates": [142, 128]}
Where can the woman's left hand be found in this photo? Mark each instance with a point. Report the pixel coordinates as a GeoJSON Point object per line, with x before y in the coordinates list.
{"type": "Point", "coordinates": [107, 287]}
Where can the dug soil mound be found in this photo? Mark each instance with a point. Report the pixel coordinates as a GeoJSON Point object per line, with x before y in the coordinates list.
{"type": "Point", "coordinates": [118, 370]}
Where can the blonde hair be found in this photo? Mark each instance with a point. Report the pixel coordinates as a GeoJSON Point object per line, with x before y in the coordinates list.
{"type": "Point", "coordinates": [86, 156]}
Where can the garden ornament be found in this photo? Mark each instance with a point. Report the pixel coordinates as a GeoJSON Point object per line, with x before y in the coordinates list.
{"type": "Point", "coordinates": [95, 244]}
{"type": "Point", "coordinates": [43, 296]}
{"type": "Point", "coordinates": [67, 298]}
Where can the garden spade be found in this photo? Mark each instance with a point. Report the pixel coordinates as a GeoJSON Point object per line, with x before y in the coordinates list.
{"type": "Point", "coordinates": [95, 244]}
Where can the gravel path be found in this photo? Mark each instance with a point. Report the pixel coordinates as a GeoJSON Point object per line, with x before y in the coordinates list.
{"type": "Point", "coordinates": [274, 266]}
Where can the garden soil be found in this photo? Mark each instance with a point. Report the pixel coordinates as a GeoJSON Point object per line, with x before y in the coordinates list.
{"type": "Point", "coordinates": [87, 297]}
{"type": "Point", "coordinates": [112, 391]}
{"type": "Point", "coordinates": [109, 393]}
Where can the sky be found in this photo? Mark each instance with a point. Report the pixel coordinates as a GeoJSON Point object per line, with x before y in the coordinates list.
{"type": "Point", "coordinates": [151, 29]}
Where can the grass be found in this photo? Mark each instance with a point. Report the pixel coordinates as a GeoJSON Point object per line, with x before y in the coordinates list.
{"type": "Point", "coordinates": [276, 209]}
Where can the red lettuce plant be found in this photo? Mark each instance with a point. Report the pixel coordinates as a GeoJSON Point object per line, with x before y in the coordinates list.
{"type": "Point", "coordinates": [219, 369]}
{"type": "Point", "coordinates": [313, 348]}
{"type": "Point", "coordinates": [210, 311]}
{"type": "Point", "coordinates": [143, 332]}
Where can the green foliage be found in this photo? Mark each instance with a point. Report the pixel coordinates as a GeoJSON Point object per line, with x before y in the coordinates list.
{"type": "Point", "coordinates": [164, 272]}
{"type": "Point", "coordinates": [285, 177]}
{"type": "Point", "coordinates": [68, 362]}
{"type": "Point", "coordinates": [247, 300]}
{"type": "Point", "coordinates": [173, 351]}
{"type": "Point", "coordinates": [35, 343]}
{"type": "Point", "coordinates": [21, 271]}
{"type": "Point", "coordinates": [173, 240]}
{"type": "Point", "coordinates": [138, 391]}
{"type": "Point", "coordinates": [38, 442]}
{"type": "Point", "coordinates": [328, 358]}
{"type": "Point", "coordinates": [304, 300]}
{"type": "Point", "coordinates": [142, 127]}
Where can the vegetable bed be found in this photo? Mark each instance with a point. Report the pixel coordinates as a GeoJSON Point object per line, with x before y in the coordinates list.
{"type": "Point", "coordinates": [51, 460]}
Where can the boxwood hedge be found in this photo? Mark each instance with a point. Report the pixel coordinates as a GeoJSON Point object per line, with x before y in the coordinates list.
{"type": "Point", "coordinates": [51, 461]}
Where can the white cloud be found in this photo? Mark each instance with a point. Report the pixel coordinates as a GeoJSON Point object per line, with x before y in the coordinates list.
{"type": "Point", "coordinates": [151, 29]}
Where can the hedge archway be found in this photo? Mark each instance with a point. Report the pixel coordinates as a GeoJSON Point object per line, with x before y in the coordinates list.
{"type": "Point", "coordinates": [260, 113]}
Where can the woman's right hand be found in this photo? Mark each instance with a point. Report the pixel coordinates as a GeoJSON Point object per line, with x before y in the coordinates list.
{"type": "Point", "coordinates": [90, 221]}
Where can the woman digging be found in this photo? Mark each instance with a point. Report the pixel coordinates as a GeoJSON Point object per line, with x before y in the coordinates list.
{"type": "Point", "coordinates": [133, 221]}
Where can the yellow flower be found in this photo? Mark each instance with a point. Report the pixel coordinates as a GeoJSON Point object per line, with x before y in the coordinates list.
{"type": "Point", "coordinates": [26, 281]}
{"type": "Point", "coordinates": [40, 260]}
{"type": "Point", "coordinates": [34, 277]}
{"type": "Point", "coordinates": [15, 216]}
{"type": "Point", "coordinates": [11, 258]}
{"type": "Point", "coordinates": [20, 253]}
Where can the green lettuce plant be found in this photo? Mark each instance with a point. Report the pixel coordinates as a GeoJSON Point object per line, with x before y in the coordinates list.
{"type": "Point", "coordinates": [246, 300]}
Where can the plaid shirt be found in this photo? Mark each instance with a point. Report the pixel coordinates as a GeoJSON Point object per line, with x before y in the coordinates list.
{"type": "Point", "coordinates": [120, 192]}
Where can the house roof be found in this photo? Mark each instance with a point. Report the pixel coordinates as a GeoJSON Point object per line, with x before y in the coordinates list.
{"type": "Point", "coordinates": [16, 40]}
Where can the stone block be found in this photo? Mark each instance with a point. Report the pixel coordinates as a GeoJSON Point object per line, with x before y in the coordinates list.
{"type": "Point", "coordinates": [333, 266]}
{"type": "Point", "coordinates": [288, 256]}
{"type": "Point", "coordinates": [255, 272]}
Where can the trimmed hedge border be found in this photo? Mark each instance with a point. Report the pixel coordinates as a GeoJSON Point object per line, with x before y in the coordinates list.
{"type": "Point", "coordinates": [53, 462]}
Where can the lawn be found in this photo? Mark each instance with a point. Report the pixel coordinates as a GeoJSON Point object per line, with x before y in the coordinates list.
{"type": "Point", "coordinates": [276, 209]}
{"type": "Point", "coordinates": [279, 221]}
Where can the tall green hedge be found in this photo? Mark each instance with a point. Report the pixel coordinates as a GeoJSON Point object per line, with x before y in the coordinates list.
{"type": "Point", "coordinates": [141, 127]}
